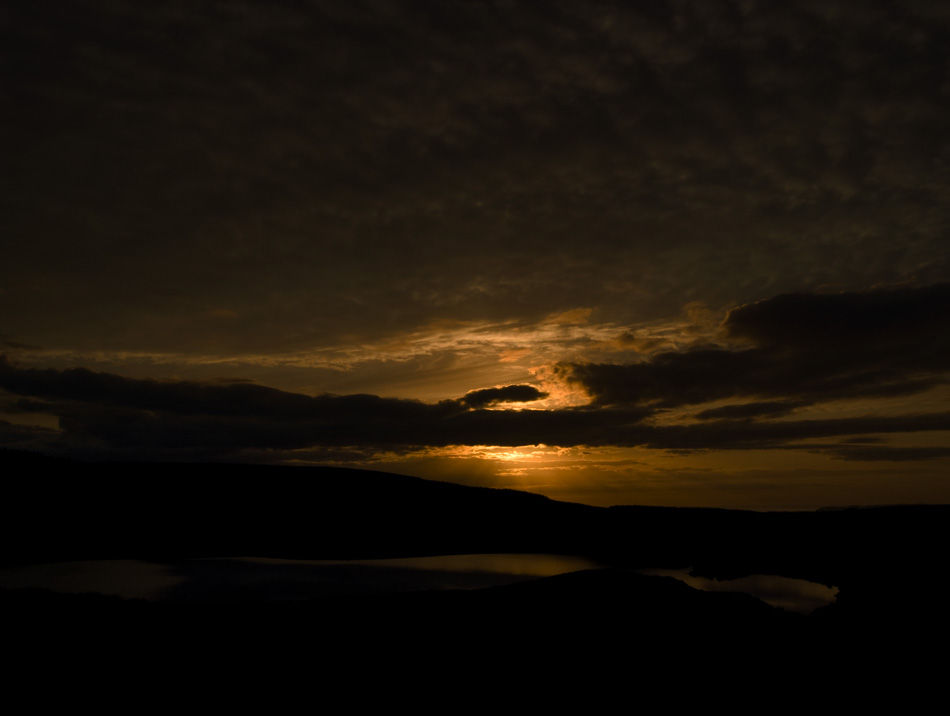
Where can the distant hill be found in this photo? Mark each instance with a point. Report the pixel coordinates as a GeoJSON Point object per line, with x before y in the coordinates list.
{"type": "Point", "coordinates": [882, 559]}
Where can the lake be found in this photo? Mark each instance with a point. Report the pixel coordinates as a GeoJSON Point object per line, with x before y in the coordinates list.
{"type": "Point", "coordinates": [252, 578]}
{"type": "Point", "coordinates": [795, 595]}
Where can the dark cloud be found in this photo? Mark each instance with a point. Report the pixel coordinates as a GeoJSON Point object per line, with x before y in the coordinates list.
{"type": "Point", "coordinates": [317, 179]}
{"type": "Point", "coordinates": [505, 394]}
{"type": "Point", "coordinates": [883, 453]}
{"type": "Point", "coordinates": [752, 410]}
{"type": "Point", "coordinates": [502, 159]}
{"type": "Point", "coordinates": [27, 405]}
{"type": "Point", "coordinates": [8, 342]}
{"type": "Point", "coordinates": [28, 437]}
{"type": "Point", "coordinates": [782, 434]}
{"type": "Point", "coordinates": [808, 348]}
{"type": "Point", "coordinates": [112, 413]}
{"type": "Point", "coordinates": [885, 320]}
{"type": "Point", "coordinates": [148, 414]}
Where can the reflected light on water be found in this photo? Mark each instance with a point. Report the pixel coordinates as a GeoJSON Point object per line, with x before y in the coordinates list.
{"type": "Point", "coordinates": [794, 595]}
{"type": "Point", "coordinates": [528, 565]}
{"type": "Point", "coordinates": [254, 578]}
{"type": "Point", "coordinates": [128, 578]}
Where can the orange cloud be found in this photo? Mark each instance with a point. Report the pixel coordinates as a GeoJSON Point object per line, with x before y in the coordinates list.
{"type": "Point", "coordinates": [574, 317]}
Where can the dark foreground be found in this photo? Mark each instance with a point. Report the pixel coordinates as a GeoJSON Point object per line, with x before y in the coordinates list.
{"type": "Point", "coordinates": [583, 634]}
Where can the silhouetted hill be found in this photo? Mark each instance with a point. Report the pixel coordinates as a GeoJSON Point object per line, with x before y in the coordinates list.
{"type": "Point", "coordinates": [57, 511]}
{"type": "Point", "coordinates": [884, 560]}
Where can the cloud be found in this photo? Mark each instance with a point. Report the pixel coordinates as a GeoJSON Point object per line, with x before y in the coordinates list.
{"type": "Point", "coordinates": [576, 316]}
{"type": "Point", "coordinates": [782, 434]}
{"type": "Point", "coordinates": [806, 348]}
{"type": "Point", "coordinates": [8, 342]}
{"type": "Point", "coordinates": [506, 163]}
{"type": "Point", "coordinates": [27, 437]}
{"type": "Point", "coordinates": [752, 410]}
{"type": "Point", "coordinates": [504, 160]}
{"type": "Point", "coordinates": [886, 453]}
{"type": "Point", "coordinates": [124, 417]}
{"type": "Point", "coordinates": [128, 413]}
{"type": "Point", "coordinates": [886, 321]}
{"type": "Point", "coordinates": [506, 394]}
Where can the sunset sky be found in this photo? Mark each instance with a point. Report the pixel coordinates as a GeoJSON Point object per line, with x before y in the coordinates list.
{"type": "Point", "coordinates": [645, 252]}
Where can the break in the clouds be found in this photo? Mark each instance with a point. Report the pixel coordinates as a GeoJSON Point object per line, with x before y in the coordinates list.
{"type": "Point", "coordinates": [104, 413]}
{"type": "Point", "coordinates": [808, 349]}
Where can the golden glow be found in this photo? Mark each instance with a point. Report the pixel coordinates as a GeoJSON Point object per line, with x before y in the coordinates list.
{"type": "Point", "coordinates": [576, 316]}
{"type": "Point", "coordinates": [440, 360]}
{"type": "Point", "coordinates": [496, 452]}
{"type": "Point", "coordinates": [742, 479]}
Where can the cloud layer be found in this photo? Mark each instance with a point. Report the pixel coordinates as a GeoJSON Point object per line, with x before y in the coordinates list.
{"type": "Point", "coordinates": [301, 175]}
{"type": "Point", "coordinates": [664, 226]}
{"type": "Point", "coordinates": [806, 349]}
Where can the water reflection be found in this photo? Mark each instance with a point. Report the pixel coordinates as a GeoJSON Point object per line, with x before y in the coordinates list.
{"type": "Point", "coordinates": [217, 580]}
{"type": "Point", "coordinates": [795, 595]}
{"type": "Point", "coordinates": [251, 578]}
{"type": "Point", "coordinates": [127, 578]}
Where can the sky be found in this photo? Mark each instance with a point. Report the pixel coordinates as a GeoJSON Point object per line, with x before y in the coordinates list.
{"type": "Point", "coordinates": [654, 252]}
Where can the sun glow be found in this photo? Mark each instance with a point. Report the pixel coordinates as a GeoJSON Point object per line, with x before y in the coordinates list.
{"type": "Point", "coordinates": [498, 453]}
